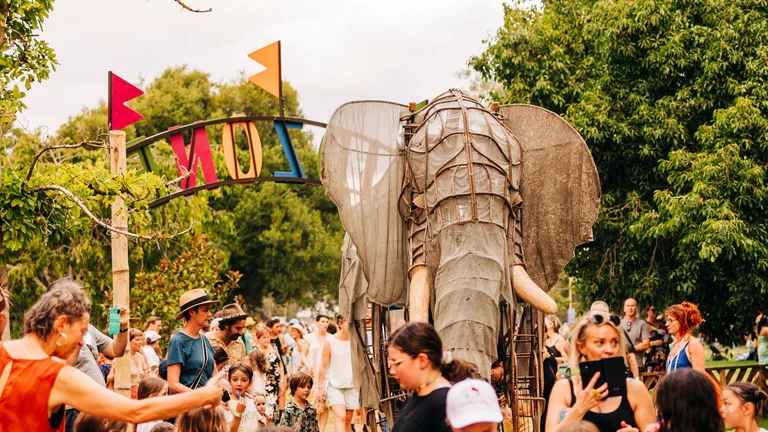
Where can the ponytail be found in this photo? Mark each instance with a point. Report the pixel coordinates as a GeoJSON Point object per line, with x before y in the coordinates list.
{"type": "Point", "coordinates": [421, 338]}
{"type": "Point", "coordinates": [456, 369]}
{"type": "Point", "coordinates": [750, 393]}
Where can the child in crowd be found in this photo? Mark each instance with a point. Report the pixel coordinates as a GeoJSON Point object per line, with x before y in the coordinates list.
{"type": "Point", "coordinates": [242, 415]}
{"type": "Point", "coordinates": [163, 427]}
{"type": "Point", "coordinates": [88, 423]}
{"type": "Point", "coordinates": [582, 426]}
{"type": "Point", "coordinates": [299, 414]}
{"type": "Point", "coordinates": [260, 399]}
{"type": "Point", "coordinates": [105, 365]}
{"type": "Point", "coordinates": [202, 420]}
{"type": "Point", "coordinates": [743, 406]}
{"type": "Point", "coordinates": [150, 387]}
{"type": "Point", "coordinates": [472, 406]}
{"type": "Point", "coordinates": [259, 365]}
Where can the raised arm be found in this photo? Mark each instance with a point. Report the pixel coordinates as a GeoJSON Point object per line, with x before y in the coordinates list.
{"type": "Point", "coordinates": [74, 388]}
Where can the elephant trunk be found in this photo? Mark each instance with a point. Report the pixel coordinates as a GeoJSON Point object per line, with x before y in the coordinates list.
{"type": "Point", "coordinates": [531, 293]}
{"type": "Point", "coordinates": [469, 281]}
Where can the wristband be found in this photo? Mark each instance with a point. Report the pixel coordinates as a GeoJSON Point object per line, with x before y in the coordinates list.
{"type": "Point", "coordinates": [123, 330]}
{"type": "Point", "coordinates": [237, 414]}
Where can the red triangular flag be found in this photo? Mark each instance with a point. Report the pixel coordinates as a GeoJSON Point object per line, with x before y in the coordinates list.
{"type": "Point", "coordinates": [120, 92]}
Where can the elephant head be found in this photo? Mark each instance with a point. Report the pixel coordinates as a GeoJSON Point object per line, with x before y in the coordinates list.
{"type": "Point", "coordinates": [452, 208]}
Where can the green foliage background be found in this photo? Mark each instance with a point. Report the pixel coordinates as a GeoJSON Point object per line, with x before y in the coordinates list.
{"type": "Point", "coordinates": [276, 240]}
{"type": "Point", "coordinates": [671, 97]}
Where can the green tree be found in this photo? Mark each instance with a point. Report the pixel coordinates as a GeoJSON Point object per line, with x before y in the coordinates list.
{"type": "Point", "coordinates": [24, 58]}
{"type": "Point", "coordinates": [201, 265]}
{"type": "Point", "coordinates": [671, 99]}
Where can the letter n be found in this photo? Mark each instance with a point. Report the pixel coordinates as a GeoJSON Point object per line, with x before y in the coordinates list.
{"type": "Point", "coordinates": [199, 154]}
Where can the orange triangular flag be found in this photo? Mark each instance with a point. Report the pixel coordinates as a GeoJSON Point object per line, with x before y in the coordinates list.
{"type": "Point", "coordinates": [269, 57]}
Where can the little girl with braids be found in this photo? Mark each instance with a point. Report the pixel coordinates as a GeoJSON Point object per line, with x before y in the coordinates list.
{"type": "Point", "coordinates": [743, 405]}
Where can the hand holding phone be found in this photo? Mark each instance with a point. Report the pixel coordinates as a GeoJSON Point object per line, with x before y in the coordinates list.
{"type": "Point", "coordinates": [114, 321]}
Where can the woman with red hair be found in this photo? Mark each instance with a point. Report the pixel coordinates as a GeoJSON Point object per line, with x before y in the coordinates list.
{"type": "Point", "coordinates": [687, 351]}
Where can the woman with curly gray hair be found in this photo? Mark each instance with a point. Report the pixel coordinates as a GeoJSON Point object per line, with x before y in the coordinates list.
{"type": "Point", "coordinates": [34, 387]}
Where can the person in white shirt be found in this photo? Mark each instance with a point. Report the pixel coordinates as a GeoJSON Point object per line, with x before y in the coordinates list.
{"type": "Point", "coordinates": [339, 390]}
{"type": "Point", "coordinates": [151, 350]}
{"type": "Point", "coordinates": [314, 358]}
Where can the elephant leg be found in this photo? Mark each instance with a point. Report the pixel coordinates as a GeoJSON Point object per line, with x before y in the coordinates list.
{"type": "Point", "coordinates": [418, 295]}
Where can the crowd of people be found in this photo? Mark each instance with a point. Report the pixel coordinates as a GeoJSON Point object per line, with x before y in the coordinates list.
{"type": "Point", "coordinates": [225, 371]}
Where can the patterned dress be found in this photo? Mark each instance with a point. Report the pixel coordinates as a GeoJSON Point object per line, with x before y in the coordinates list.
{"type": "Point", "coordinates": [272, 385]}
{"type": "Point", "coordinates": [300, 420]}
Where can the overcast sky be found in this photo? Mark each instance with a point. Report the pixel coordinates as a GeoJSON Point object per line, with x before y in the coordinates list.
{"type": "Point", "coordinates": [333, 51]}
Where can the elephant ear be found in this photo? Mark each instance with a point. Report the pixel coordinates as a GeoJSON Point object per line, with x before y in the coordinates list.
{"type": "Point", "coordinates": [560, 190]}
{"type": "Point", "coordinates": [363, 166]}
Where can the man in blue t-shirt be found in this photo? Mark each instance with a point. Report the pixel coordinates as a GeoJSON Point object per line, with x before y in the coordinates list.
{"type": "Point", "coordinates": [190, 354]}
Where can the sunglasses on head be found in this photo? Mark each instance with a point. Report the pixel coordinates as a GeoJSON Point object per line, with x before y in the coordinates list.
{"type": "Point", "coordinates": [600, 318]}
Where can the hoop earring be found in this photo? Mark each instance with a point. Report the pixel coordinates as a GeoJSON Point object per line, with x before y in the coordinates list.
{"type": "Point", "coordinates": [66, 338]}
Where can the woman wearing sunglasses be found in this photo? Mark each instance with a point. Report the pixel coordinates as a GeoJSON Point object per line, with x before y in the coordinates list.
{"type": "Point", "coordinates": [597, 337]}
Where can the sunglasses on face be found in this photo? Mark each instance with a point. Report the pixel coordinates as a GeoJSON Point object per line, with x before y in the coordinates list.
{"type": "Point", "coordinates": [600, 318]}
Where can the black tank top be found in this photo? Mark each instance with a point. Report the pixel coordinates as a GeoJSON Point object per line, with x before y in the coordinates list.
{"type": "Point", "coordinates": [609, 422]}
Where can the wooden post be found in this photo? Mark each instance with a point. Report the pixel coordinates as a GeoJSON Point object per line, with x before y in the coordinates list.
{"type": "Point", "coordinates": [120, 271]}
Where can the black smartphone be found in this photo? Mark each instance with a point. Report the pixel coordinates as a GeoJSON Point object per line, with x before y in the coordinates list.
{"type": "Point", "coordinates": [225, 397]}
{"type": "Point", "coordinates": [612, 371]}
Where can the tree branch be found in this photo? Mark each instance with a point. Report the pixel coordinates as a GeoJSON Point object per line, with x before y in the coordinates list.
{"type": "Point", "coordinates": [183, 5]}
{"type": "Point", "coordinates": [64, 191]}
{"type": "Point", "coordinates": [97, 144]}
{"type": "Point", "coordinates": [4, 9]}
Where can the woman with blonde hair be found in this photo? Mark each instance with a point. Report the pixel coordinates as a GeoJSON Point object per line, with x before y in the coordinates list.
{"type": "Point", "coordinates": [597, 336]}
{"type": "Point", "coordinates": [202, 420]}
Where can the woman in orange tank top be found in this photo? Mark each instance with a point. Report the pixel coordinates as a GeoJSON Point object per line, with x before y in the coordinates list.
{"type": "Point", "coordinates": [34, 387]}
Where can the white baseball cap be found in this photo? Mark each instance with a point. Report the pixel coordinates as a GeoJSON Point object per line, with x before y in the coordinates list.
{"type": "Point", "coordinates": [472, 401]}
{"type": "Point", "coordinates": [151, 335]}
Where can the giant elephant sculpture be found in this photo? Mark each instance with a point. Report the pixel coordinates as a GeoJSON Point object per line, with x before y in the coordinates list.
{"type": "Point", "coordinates": [451, 208]}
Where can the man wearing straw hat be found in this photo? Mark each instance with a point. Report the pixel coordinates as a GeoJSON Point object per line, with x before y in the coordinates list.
{"type": "Point", "coordinates": [230, 332]}
{"type": "Point", "coordinates": [190, 354]}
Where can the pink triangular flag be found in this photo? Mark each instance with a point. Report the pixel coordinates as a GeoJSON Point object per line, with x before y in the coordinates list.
{"type": "Point", "coordinates": [120, 92]}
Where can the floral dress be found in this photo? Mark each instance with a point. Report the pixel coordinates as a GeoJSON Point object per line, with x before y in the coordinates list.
{"type": "Point", "coordinates": [272, 385]}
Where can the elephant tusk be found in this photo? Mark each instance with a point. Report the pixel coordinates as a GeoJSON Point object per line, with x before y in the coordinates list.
{"type": "Point", "coordinates": [531, 293]}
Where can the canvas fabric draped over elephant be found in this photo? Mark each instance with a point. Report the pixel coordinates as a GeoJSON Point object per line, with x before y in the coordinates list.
{"type": "Point", "coordinates": [480, 205]}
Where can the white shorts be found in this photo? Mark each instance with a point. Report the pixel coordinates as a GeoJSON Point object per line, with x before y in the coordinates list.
{"type": "Point", "coordinates": [349, 397]}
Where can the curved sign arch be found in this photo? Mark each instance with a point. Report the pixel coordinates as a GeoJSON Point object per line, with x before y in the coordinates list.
{"type": "Point", "coordinates": [199, 155]}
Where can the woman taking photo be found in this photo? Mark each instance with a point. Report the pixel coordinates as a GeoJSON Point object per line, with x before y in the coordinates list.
{"type": "Point", "coordinates": [417, 362]}
{"type": "Point", "coordinates": [273, 376]}
{"type": "Point", "coordinates": [685, 401]}
{"type": "Point", "coordinates": [597, 337]}
{"type": "Point", "coordinates": [687, 351]}
{"type": "Point", "coordinates": [743, 407]}
{"type": "Point", "coordinates": [37, 387]}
